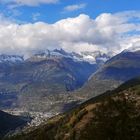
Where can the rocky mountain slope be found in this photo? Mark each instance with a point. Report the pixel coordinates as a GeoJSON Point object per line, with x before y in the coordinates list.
{"type": "Point", "coordinates": [114, 72]}
{"type": "Point", "coordinates": [113, 115]}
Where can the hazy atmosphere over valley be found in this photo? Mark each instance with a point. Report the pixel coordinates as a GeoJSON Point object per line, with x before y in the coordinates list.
{"type": "Point", "coordinates": [69, 70]}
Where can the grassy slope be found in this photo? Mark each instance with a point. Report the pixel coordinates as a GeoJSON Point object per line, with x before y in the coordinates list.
{"type": "Point", "coordinates": [111, 116]}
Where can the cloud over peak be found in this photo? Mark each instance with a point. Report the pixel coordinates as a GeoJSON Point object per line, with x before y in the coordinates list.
{"type": "Point", "coordinates": [108, 32]}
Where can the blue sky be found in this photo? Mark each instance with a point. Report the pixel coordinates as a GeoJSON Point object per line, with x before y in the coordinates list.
{"type": "Point", "coordinates": [53, 12]}
{"type": "Point", "coordinates": [28, 26]}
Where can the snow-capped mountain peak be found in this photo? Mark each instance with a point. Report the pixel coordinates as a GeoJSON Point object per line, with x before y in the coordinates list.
{"type": "Point", "coordinates": [132, 49]}
{"type": "Point", "coordinates": [11, 58]}
{"type": "Point", "coordinates": [91, 57]}
{"type": "Point", "coordinates": [95, 57]}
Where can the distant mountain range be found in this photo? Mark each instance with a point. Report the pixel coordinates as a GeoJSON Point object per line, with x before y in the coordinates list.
{"type": "Point", "coordinates": [43, 80]}
{"type": "Point", "coordinates": [11, 58]}
{"type": "Point", "coordinates": [95, 57]}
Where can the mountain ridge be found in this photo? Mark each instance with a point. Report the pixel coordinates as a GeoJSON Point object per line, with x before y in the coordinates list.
{"type": "Point", "coordinates": [114, 72]}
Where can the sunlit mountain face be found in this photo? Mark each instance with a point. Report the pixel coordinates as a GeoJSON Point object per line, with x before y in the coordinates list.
{"type": "Point", "coordinates": [55, 55]}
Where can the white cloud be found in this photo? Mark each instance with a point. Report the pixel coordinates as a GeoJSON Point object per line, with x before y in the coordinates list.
{"type": "Point", "coordinates": [4, 20]}
{"type": "Point", "coordinates": [108, 32]}
{"type": "Point", "coordinates": [29, 2]}
{"type": "Point", "coordinates": [75, 7]}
